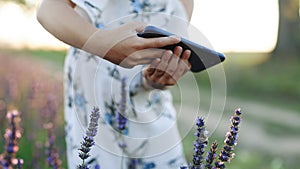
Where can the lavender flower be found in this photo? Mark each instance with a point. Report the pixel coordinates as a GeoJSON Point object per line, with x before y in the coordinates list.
{"type": "Point", "coordinates": [19, 163]}
{"type": "Point", "coordinates": [89, 138]}
{"type": "Point", "coordinates": [97, 166]}
{"type": "Point", "coordinates": [199, 145]}
{"type": "Point", "coordinates": [120, 116]}
{"type": "Point", "coordinates": [133, 163]}
{"type": "Point", "coordinates": [211, 155]}
{"type": "Point", "coordinates": [53, 159]}
{"type": "Point", "coordinates": [12, 136]}
{"type": "Point", "coordinates": [226, 153]}
{"type": "Point", "coordinates": [122, 145]}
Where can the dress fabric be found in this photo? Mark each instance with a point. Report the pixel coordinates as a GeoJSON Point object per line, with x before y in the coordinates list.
{"type": "Point", "coordinates": [151, 136]}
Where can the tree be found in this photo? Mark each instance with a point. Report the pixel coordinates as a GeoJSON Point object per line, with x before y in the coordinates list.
{"type": "Point", "coordinates": [289, 29]}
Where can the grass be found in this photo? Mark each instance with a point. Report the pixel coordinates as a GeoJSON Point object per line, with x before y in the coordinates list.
{"type": "Point", "coordinates": [273, 83]}
{"type": "Point", "coordinates": [54, 59]}
{"type": "Point", "coordinates": [27, 84]}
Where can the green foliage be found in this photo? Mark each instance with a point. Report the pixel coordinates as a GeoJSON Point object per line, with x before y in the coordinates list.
{"type": "Point", "coordinates": [275, 81]}
{"type": "Point", "coordinates": [23, 2]}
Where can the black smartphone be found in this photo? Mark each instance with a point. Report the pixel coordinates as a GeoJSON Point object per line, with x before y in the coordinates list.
{"type": "Point", "coordinates": [201, 57]}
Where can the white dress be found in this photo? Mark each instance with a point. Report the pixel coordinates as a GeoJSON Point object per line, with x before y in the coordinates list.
{"type": "Point", "coordinates": [151, 135]}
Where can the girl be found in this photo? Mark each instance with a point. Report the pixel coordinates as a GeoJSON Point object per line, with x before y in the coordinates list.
{"type": "Point", "coordinates": [107, 58]}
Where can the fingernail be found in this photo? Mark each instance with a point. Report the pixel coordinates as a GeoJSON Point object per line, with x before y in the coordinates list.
{"type": "Point", "coordinates": [175, 37]}
{"type": "Point", "coordinates": [168, 54]}
{"type": "Point", "coordinates": [189, 52]}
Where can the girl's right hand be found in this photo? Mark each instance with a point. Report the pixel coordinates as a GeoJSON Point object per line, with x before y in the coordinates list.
{"type": "Point", "coordinates": [123, 47]}
{"type": "Point", "coordinates": [120, 45]}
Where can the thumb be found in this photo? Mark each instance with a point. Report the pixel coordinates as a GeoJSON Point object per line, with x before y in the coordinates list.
{"type": "Point", "coordinates": [161, 41]}
{"type": "Point", "coordinates": [140, 27]}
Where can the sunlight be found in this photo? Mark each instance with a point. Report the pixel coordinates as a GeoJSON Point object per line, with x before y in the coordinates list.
{"type": "Point", "coordinates": [230, 26]}
{"type": "Point", "coordinates": [238, 25]}
{"type": "Point", "coordinates": [22, 30]}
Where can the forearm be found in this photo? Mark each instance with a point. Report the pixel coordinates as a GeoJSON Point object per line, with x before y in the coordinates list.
{"type": "Point", "coordinates": [189, 6]}
{"type": "Point", "coordinates": [60, 19]}
{"type": "Point", "coordinates": [119, 45]}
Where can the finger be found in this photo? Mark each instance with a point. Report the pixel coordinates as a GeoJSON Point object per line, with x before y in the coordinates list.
{"type": "Point", "coordinates": [186, 56]}
{"type": "Point", "coordinates": [163, 64]}
{"type": "Point", "coordinates": [178, 50]}
{"type": "Point", "coordinates": [183, 67]}
{"type": "Point", "coordinates": [174, 60]}
{"type": "Point", "coordinates": [150, 53]}
{"type": "Point", "coordinates": [145, 56]}
{"type": "Point", "coordinates": [171, 82]}
{"type": "Point", "coordinates": [180, 71]}
{"type": "Point", "coordinates": [151, 69]}
{"type": "Point", "coordinates": [165, 79]}
{"type": "Point", "coordinates": [140, 27]}
{"type": "Point", "coordinates": [161, 67]}
{"type": "Point", "coordinates": [160, 42]}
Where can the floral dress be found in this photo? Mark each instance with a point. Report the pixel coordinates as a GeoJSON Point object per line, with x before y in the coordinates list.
{"type": "Point", "coordinates": [149, 136]}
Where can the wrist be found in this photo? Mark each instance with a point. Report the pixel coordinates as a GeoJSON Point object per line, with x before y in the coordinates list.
{"type": "Point", "coordinates": [95, 43]}
{"type": "Point", "coordinates": [103, 44]}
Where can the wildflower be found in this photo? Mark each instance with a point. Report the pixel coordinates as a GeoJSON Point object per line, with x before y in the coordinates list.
{"type": "Point", "coordinates": [88, 139]}
{"type": "Point", "coordinates": [200, 144]}
{"type": "Point", "coordinates": [97, 166]}
{"type": "Point", "coordinates": [53, 159]}
{"type": "Point", "coordinates": [211, 155]}
{"type": "Point", "coordinates": [230, 141]}
{"type": "Point", "coordinates": [12, 136]}
{"type": "Point", "coordinates": [133, 163]}
{"type": "Point", "coordinates": [120, 116]}
{"type": "Point", "coordinates": [122, 145]}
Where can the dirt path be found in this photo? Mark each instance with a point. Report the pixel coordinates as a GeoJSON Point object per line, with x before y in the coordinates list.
{"type": "Point", "coordinates": [259, 119]}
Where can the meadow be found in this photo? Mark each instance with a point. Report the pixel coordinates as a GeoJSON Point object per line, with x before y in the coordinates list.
{"type": "Point", "coordinates": [268, 93]}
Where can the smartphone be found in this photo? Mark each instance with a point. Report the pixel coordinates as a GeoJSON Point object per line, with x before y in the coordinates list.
{"type": "Point", "coordinates": [201, 57]}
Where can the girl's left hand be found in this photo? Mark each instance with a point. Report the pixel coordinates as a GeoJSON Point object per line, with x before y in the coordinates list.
{"type": "Point", "coordinates": [167, 70]}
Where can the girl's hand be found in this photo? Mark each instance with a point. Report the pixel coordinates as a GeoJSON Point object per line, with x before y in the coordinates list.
{"type": "Point", "coordinates": [123, 47]}
{"type": "Point", "coordinates": [120, 45]}
{"type": "Point", "coordinates": [167, 70]}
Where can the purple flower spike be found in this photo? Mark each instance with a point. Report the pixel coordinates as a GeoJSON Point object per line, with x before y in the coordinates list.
{"type": "Point", "coordinates": [94, 117]}
{"type": "Point", "coordinates": [133, 163]}
{"type": "Point", "coordinates": [53, 159]}
{"type": "Point", "coordinates": [88, 140]}
{"type": "Point", "coordinates": [12, 136]}
{"type": "Point", "coordinates": [120, 116]}
{"type": "Point", "coordinates": [200, 144]}
{"type": "Point", "coordinates": [211, 155]}
{"type": "Point", "coordinates": [226, 154]}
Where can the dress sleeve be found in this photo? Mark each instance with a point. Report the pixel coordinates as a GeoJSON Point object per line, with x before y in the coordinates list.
{"type": "Point", "coordinates": [92, 8]}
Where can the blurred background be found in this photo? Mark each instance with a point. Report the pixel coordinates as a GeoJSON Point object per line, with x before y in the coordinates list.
{"type": "Point", "coordinates": [261, 40]}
